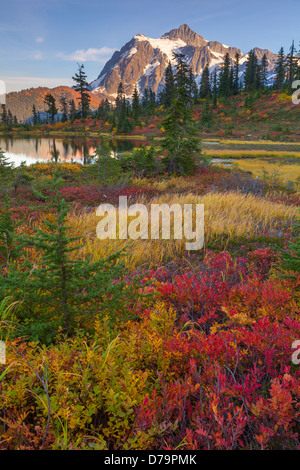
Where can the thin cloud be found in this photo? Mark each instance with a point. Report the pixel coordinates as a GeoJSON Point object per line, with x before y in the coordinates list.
{"type": "Point", "coordinates": [38, 55]}
{"type": "Point", "coordinates": [39, 39]}
{"type": "Point", "coordinates": [88, 55]}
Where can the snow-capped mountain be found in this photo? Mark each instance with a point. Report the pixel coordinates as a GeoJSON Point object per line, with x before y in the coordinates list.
{"type": "Point", "coordinates": [143, 60]}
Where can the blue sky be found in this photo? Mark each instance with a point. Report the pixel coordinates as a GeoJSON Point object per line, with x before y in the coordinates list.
{"type": "Point", "coordinates": [41, 41]}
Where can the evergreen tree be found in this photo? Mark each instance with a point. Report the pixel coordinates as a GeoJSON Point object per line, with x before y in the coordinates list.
{"type": "Point", "coordinates": [58, 291]}
{"type": "Point", "coordinates": [112, 121]}
{"type": "Point", "coordinates": [292, 62]}
{"type": "Point", "coordinates": [106, 107]}
{"type": "Point", "coordinates": [145, 99]}
{"type": "Point", "coordinates": [231, 80]}
{"type": "Point", "coordinates": [136, 108]}
{"type": "Point", "coordinates": [4, 118]}
{"type": "Point", "coordinates": [236, 79]}
{"type": "Point", "coordinates": [120, 99]}
{"type": "Point", "coordinates": [23, 177]}
{"type": "Point", "coordinates": [180, 143]}
{"type": "Point", "coordinates": [122, 111]}
{"type": "Point", "coordinates": [259, 81]}
{"type": "Point", "coordinates": [250, 78]}
{"type": "Point", "coordinates": [124, 125]}
{"type": "Point", "coordinates": [81, 86]}
{"type": "Point", "coordinates": [192, 86]}
{"type": "Point", "coordinates": [148, 101]}
{"type": "Point", "coordinates": [107, 169]}
{"type": "Point", "coordinates": [103, 110]}
{"type": "Point", "coordinates": [6, 167]}
{"type": "Point", "coordinates": [205, 90]}
{"type": "Point", "coordinates": [280, 70]}
{"type": "Point", "coordinates": [207, 116]}
{"type": "Point", "coordinates": [181, 79]}
{"type": "Point", "coordinates": [169, 89]}
{"type": "Point", "coordinates": [34, 116]}
{"type": "Point", "coordinates": [64, 108]}
{"type": "Point", "coordinates": [51, 108]}
{"type": "Point", "coordinates": [264, 70]}
{"type": "Point", "coordinates": [215, 89]}
{"type": "Point", "coordinates": [142, 162]}
{"type": "Point", "coordinates": [72, 110]}
{"type": "Point", "coordinates": [152, 101]}
{"type": "Point", "coordinates": [9, 118]}
{"type": "Point", "coordinates": [8, 246]}
{"type": "Point", "coordinates": [224, 78]}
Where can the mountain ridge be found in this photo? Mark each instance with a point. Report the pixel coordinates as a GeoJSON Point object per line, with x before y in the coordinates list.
{"type": "Point", "coordinates": [20, 103]}
{"type": "Point", "coordinates": [142, 60]}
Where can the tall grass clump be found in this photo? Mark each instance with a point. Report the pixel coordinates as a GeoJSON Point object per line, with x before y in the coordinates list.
{"type": "Point", "coordinates": [232, 215]}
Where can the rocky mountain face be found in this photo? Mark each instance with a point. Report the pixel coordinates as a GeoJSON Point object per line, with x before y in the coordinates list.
{"type": "Point", "coordinates": [20, 103]}
{"type": "Point", "coordinates": [143, 60]}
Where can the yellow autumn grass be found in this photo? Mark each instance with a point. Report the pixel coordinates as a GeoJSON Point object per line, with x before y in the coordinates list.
{"type": "Point", "coordinates": [256, 142]}
{"type": "Point", "coordinates": [231, 214]}
{"type": "Point", "coordinates": [174, 183]}
{"type": "Point", "coordinates": [284, 172]}
{"type": "Point", "coordinates": [253, 153]}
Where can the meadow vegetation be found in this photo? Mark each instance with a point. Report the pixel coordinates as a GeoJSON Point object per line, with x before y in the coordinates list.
{"type": "Point", "coordinates": [174, 349]}
{"type": "Point", "coordinates": [133, 345]}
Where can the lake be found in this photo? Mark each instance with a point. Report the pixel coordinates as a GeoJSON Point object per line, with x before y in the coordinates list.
{"type": "Point", "coordinates": [66, 149]}
{"type": "Point", "coordinates": [31, 149]}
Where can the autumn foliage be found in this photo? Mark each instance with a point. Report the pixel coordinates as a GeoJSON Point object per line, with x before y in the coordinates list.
{"type": "Point", "coordinates": [200, 357]}
{"type": "Point", "coordinates": [207, 365]}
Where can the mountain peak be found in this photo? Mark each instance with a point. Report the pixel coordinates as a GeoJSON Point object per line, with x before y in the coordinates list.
{"type": "Point", "coordinates": [143, 60]}
{"type": "Point", "coordinates": [186, 34]}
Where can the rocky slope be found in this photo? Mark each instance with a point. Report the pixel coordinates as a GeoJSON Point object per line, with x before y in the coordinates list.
{"type": "Point", "coordinates": [20, 103]}
{"type": "Point", "coordinates": [143, 60]}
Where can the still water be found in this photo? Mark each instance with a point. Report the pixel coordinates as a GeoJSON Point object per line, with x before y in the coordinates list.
{"type": "Point", "coordinates": [79, 149]}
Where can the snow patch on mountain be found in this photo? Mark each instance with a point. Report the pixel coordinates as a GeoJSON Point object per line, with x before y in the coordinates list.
{"type": "Point", "coordinates": [95, 84]}
{"type": "Point", "coordinates": [218, 55]}
{"type": "Point", "coordinates": [244, 59]}
{"type": "Point", "coordinates": [214, 63]}
{"type": "Point", "coordinates": [131, 52]}
{"type": "Point", "coordinates": [167, 46]}
{"type": "Point", "coordinates": [149, 69]}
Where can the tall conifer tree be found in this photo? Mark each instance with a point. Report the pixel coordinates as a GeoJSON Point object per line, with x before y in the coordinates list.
{"type": "Point", "coordinates": [224, 78]}
{"type": "Point", "coordinates": [204, 89]}
{"type": "Point", "coordinates": [136, 107]}
{"type": "Point", "coordinates": [236, 79]}
{"type": "Point", "coordinates": [169, 88]}
{"type": "Point", "coordinates": [280, 70]}
{"type": "Point", "coordinates": [51, 108]}
{"type": "Point", "coordinates": [81, 85]}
